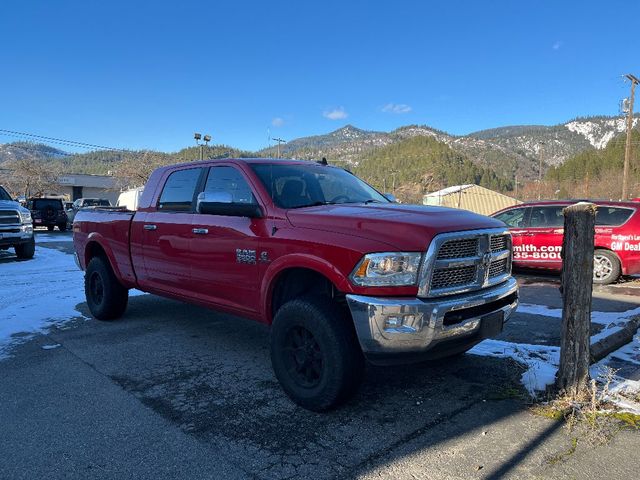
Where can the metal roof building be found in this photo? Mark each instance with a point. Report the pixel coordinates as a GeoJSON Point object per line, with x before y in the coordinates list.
{"type": "Point", "coordinates": [470, 197]}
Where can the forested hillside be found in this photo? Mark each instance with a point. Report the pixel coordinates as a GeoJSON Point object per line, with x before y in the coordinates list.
{"type": "Point", "coordinates": [420, 164]}
{"type": "Point", "coordinates": [598, 173]}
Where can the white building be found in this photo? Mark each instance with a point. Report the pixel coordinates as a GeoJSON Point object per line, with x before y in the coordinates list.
{"type": "Point", "coordinates": [74, 186]}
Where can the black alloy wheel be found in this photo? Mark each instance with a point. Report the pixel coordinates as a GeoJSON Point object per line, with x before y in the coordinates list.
{"type": "Point", "coordinates": [303, 357]}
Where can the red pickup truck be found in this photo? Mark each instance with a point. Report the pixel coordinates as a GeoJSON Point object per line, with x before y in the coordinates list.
{"type": "Point", "coordinates": [339, 272]}
{"type": "Point", "coordinates": [538, 229]}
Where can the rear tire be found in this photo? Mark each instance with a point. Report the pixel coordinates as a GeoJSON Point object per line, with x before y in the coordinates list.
{"type": "Point", "coordinates": [315, 353]}
{"type": "Point", "coordinates": [26, 251]}
{"type": "Point", "coordinates": [606, 267]}
{"type": "Point", "coordinates": [106, 297]}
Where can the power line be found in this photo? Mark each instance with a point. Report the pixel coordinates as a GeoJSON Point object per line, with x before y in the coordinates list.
{"type": "Point", "coordinates": [59, 141]}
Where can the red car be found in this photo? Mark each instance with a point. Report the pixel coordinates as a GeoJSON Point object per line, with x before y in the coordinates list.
{"type": "Point", "coordinates": [537, 230]}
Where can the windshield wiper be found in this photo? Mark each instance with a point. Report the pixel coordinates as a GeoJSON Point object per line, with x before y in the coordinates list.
{"type": "Point", "coordinates": [372, 200]}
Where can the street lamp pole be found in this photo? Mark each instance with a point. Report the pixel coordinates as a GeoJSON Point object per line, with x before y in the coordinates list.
{"type": "Point", "coordinates": [207, 138]}
{"type": "Point", "coordinates": [279, 140]}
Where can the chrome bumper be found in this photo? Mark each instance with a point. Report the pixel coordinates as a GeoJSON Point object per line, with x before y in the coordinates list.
{"type": "Point", "coordinates": [16, 232]}
{"type": "Point", "coordinates": [387, 327]}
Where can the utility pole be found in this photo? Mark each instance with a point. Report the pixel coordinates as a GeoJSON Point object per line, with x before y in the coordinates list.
{"type": "Point", "coordinates": [540, 171]}
{"type": "Point", "coordinates": [627, 149]}
{"type": "Point", "coordinates": [516, 186]}
{"type": "Point", "coordinates": [279, 140]}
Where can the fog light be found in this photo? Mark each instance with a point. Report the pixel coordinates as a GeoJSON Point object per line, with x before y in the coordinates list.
{"type": "Point", "coordinates": [400, 322]}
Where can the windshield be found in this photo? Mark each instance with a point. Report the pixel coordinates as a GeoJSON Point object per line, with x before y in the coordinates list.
{"type": "Point", "coordinates": [4, 195]}
{"type": "Point", "coordinates": [297, 186]}
{"type": "Point", "coordinates": [94, 202]}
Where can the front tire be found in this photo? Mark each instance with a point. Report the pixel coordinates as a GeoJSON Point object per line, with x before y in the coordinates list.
{"type": "Point", "coordinates": [606, 267]}
{"type": "Point", "coordinates": [315, 353]}
{"type": "Point", "coordinates": [62, 227]}
{"type": "Point", "coordinates": [26, 251]}
{"type": "Point", "coordinates": [106, 297]}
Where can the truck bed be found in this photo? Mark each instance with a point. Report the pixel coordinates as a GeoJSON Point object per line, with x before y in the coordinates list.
{"type": "Point", "coordinates": [108, 229]}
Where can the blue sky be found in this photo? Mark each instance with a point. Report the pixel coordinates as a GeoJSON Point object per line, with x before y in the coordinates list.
{"type": "Point", "coordinates": [147, 74]}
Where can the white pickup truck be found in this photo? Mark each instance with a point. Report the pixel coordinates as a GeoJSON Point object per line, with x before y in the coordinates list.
{"type": "Point", "coordinates": [16, 227]}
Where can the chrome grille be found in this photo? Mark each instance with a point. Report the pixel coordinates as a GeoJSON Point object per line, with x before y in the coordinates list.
{"type": "Point", "coordinates": [452, 277]}
{"type": "Point", "coordinates": [499, 243]}
{"type": "Point", "coordinates": [461, 262]}
{"type": "Point", "coordinates": [9, 217]}
{"type": "Point", "coordinates": [498, 267]}
{"type": "Point", "coordinates": [463, 248]}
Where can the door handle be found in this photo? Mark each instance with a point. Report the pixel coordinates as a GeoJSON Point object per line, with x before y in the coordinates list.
{"type": "Point", "coordinates": [200, 231]}
{"type": "Point", "coordinates": [150, 227]}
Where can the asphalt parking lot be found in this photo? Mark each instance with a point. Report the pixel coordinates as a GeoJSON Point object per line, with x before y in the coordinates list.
{"type": "Point", "coordinates": [176, 391]}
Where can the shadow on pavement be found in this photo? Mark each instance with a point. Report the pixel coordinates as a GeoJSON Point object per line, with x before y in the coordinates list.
{"type": "Point", "coordinates": [210, 375]}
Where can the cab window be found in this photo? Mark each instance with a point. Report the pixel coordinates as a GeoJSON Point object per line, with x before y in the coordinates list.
{"type": "Point", "coordinates": [513, 218]}
{"type": "Point", "coordinates": [178, 192]}
{"type": "Point", "coordinates": [231, 181]}
{"type": "Point", "coordinates": [546, 217]}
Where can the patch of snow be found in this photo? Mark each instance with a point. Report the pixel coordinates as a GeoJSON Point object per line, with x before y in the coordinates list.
{"type": "Point", "coordinates": [38, 294]}
{"type": "Point", "coordinates": [602, 318]}
{"type": "Point", "coordinates": [52, 237]}
{"type": "Point", "coordinates": [599, 133]}
{"type": "Point", "coordinates": [541, 361]}
{"type": "Point", "coordinates": [621, 389]}
{"type": "Point", "coordinates": [51, 347]}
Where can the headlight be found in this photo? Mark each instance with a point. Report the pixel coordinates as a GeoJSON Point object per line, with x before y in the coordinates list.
{"type": "Point", "coordinates": [25, 216]}
{"type": "Point", "coordinates": [387, 269]}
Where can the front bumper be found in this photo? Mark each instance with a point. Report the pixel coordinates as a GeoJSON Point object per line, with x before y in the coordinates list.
{"type": "Point", "coordinates": [404, 330]}
{"type": "Point", "coordinates": [15, 235]}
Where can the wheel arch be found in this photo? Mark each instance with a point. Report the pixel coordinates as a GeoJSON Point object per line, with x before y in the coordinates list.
{"type": "Point", "coordinates": [295, 280]}
{"type": "Point", "coordinates": [96, 248]}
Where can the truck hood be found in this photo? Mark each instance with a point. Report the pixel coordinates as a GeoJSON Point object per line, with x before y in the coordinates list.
{"type": "Point", "coordinates": [9, 204]}
{"type": "Point", "coordinates": [404, 227]}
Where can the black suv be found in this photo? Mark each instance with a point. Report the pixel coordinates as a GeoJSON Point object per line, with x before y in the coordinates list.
{"type": "Point", "coordinates": [48, 212]}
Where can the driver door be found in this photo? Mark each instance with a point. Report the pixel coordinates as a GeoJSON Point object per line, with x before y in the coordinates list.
{"type": "Point", "coordinates": [224, 249]}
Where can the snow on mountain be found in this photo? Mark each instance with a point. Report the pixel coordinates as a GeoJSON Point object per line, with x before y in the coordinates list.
{"type": "Point", "coordinates": [599, 132]}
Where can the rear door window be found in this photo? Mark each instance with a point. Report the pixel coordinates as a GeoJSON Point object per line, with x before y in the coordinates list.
{"type": "Point", "coordinates": [612, 216]}
{"type": "Point", "coordinates": [547, 217]}
{"type": "Point", "coordinates": [179, 191]}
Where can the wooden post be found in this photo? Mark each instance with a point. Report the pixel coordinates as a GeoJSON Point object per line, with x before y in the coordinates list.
{"type": "Point", "coordinates": [577, 278]}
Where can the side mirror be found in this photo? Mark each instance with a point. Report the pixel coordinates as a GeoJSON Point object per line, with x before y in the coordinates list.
{"type": "Point", "coordinates": [391, 197]}
{"type": "Point", "coordinates": [221, 203]}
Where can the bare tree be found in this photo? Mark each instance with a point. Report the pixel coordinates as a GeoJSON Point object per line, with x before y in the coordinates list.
{"type": "Point", "coordinates": [31, 177]}
{"type": "Point", "coordinates": [134, 170]}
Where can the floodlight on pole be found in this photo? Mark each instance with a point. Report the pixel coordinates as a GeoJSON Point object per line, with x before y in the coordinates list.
{"type": "Point", "coordinates": [198, 137]}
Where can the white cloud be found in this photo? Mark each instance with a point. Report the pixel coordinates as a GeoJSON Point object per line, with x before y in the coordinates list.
{"type": "Point", "coordinates": [277, 122]}
{"type": "Point", "coordinates": [335, 114]}
{"type": "Point", "coordinates": [557, 45]}
{"type": "Point", "coordinates": [396, 108]}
